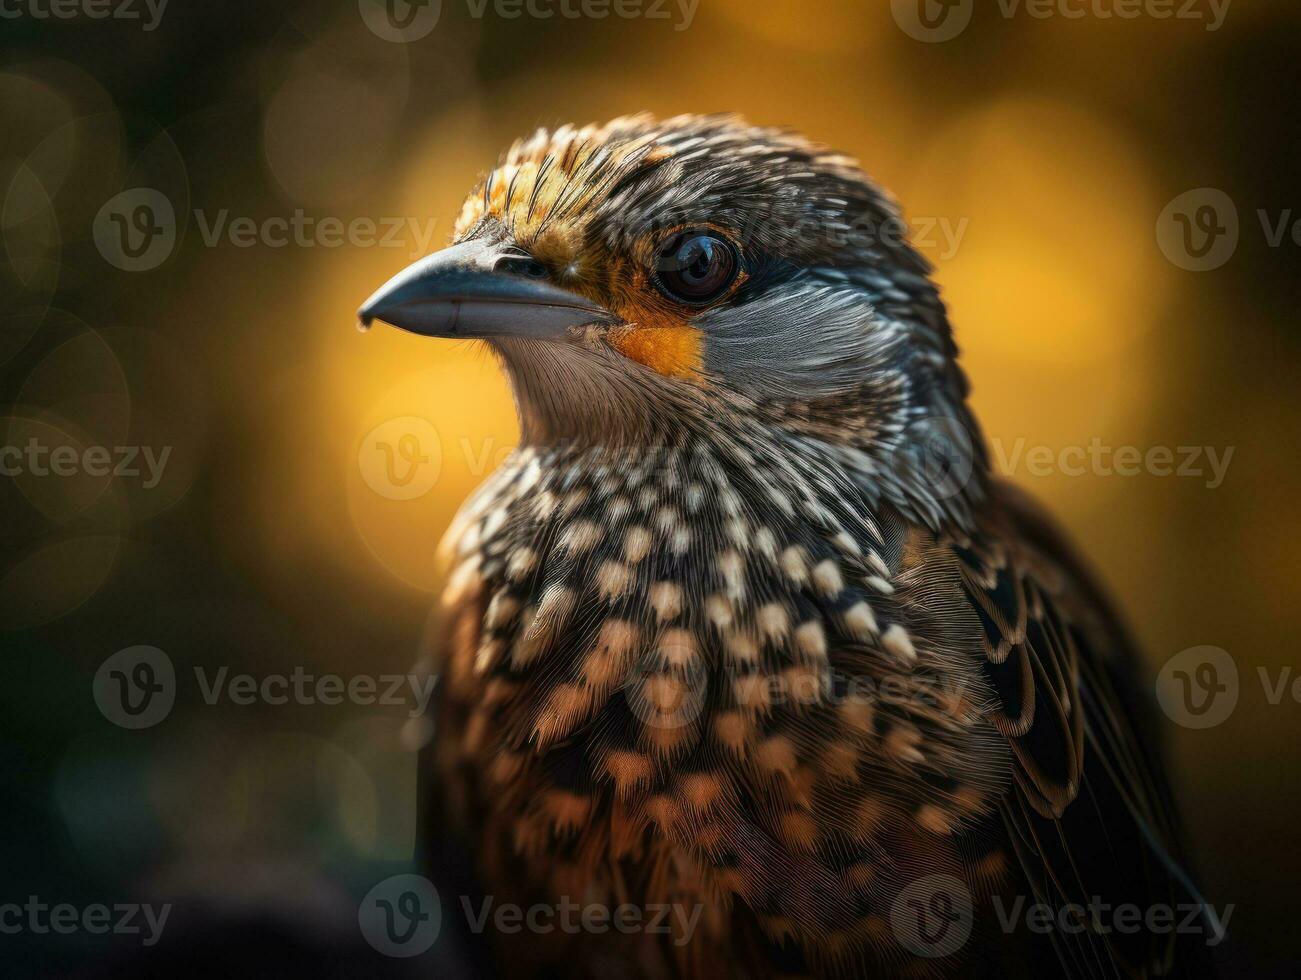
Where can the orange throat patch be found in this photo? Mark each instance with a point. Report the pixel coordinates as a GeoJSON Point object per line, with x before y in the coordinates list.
{"type": "Point", "coordinates": [675, 351]}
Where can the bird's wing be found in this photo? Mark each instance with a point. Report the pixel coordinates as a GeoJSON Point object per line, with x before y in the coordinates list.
{"type": "Point", "coordinates": [1090, 815]}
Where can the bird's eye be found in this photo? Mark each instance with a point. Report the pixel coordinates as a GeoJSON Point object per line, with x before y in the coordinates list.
{"type": "Point", "coordinates": [697, 267]}
{"type": "Point", "coordinates": [522, 265]}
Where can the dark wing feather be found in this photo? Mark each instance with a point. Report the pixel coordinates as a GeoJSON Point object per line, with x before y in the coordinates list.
{"type": "Point", "coordinates": [1090, 816]}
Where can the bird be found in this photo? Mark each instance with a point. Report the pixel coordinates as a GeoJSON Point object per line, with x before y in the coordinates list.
{"type": "Point", "coordinates": [746, 627]}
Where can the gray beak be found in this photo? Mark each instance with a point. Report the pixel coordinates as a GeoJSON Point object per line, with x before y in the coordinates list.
{"type": "Point", "coordinates": [463, 291]}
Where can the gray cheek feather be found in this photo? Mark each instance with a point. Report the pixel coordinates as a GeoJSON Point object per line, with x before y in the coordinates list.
{"type": "Point", "coordinates": [804, 341]}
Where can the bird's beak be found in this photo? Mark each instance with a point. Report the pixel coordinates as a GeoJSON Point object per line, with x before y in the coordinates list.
{"type": "Point", "coordinates": [459, 292]}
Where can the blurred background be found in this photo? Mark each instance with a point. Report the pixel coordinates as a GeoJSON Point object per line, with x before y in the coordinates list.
{"type": "Point", "coordinates": [194, 202]}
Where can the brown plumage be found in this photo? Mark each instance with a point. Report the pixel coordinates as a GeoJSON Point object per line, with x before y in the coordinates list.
{"type": "Point", "coordinates": [745, 624]}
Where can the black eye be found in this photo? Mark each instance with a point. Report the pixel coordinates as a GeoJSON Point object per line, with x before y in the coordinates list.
{"type": "Point", "coordinates": [697, 267]}
{"type": "Point", "coordinates": [522, 265]}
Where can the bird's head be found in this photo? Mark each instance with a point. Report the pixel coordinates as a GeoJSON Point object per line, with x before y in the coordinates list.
{"type": "Point", "coordinates": [643, 276]}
